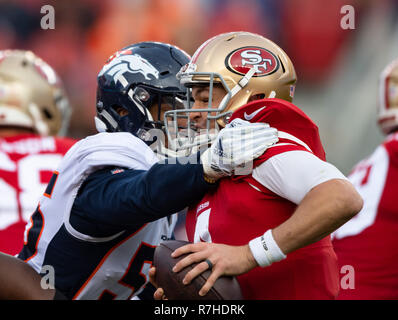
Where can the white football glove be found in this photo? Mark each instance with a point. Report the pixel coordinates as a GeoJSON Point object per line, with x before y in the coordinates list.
{"type": "Point", "coordinates": [235, 148]}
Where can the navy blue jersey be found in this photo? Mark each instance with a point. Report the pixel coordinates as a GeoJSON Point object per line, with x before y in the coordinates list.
{"type": "Point", "coordinates": [97, 224]}
{"type": "Point", "coordinates": [113, 198]}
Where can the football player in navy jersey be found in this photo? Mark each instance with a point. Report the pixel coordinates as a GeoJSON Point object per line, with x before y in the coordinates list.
{"type": "Point", "coordinates": [110, 202]}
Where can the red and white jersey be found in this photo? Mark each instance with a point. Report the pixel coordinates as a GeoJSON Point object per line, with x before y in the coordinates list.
{"type": "Point", "coordinates": [26, 165]}
{"type": "Point", "coordinates": [369, 241]}
{"type": "Point", "coordinates": [244, 207]}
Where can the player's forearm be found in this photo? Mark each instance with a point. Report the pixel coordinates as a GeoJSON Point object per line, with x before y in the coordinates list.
{"type": "Point", "coordinates": [134, 197]}
{"type": "Point", "coordinates": [172, 187]}
{"type": "Point", "coordinates": [325, 208]}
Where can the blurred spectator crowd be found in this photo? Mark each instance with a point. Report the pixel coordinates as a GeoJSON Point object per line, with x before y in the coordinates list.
{"type": "Point", "coordinates": [88, 31]}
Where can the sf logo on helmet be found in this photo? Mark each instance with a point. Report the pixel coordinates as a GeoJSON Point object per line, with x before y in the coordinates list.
{"type": "Point", "coordinates": [263, 61]}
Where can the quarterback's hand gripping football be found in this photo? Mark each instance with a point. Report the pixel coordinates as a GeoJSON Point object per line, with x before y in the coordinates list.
{"type": "Point", "coordinates": [235, 148]}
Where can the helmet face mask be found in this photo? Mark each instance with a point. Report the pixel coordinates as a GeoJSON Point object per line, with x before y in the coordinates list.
{"type": "Point", "coordinates": [246, 65]}
{"type": "Point", "coordinates": [140, 79]}
{"type": "Point", "coordinates": [194, 136]}
{"type": "Point", "coordinates": [32, 96]}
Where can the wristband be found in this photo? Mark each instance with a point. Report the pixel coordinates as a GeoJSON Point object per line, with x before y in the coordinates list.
{"type": "Point", "coordinates": [265, 250]}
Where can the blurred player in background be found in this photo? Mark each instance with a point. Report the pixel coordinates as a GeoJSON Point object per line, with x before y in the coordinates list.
{"type": "Point", "coordinates": [110, 203]}
{"type": "Point", "coordinates": [369, 242]}
{"type": "Point", "coordinates": [271, 227]}
{"type": "Point", "coordinates": [34, 110]}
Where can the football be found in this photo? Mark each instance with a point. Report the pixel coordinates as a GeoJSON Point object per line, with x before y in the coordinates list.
{"type": "Point", "coordinates": [225, 288]}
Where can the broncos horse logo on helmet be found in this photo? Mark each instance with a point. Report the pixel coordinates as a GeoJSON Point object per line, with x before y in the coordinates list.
{"type": "Point", "coordinates": [138, 79]}
{"type": "Point", "coordinates": [128, 62]}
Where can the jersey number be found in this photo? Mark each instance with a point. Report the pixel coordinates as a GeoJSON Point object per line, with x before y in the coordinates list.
{"type": "Point", "coordinates": [136, 274]}
{"type": "Point", "coordinates": [20, 200]}
{"type": "Point", "coordinates": [202, 233]}
{"type": "Point", "coordinates": [369, 179]}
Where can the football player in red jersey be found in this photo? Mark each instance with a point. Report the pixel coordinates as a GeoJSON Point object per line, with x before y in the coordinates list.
{"type": "Point", "coordinates": [367, 245]}
{"type": "Point", "coordinates": [272, 227]}
{"type": "Point", "coordinates": [33, 109]}
{"type": "Point", "coordinates": [111, 201]}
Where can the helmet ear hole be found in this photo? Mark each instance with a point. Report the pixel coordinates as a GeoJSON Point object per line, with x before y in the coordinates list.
{"type": "Point", "coordinates": [47, 113]}
{"type": "Point", "coordinates": [120, 110]}
{"type": "Point", "coordinates": [256, 97]}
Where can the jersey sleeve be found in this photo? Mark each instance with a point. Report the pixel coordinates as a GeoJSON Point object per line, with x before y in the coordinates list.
{"type": "Point", "coordinates": [292, 174]}
{"type": "Point", "coordinates": [123, 197]}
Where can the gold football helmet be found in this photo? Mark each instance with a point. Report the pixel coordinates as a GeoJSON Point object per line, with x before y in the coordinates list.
{"type": "Point", "coordinates": [246, 64]}
{"type": "Point", "coordinates": [31, 94]}
{"type": "Point", "coordinates": [388, 98]}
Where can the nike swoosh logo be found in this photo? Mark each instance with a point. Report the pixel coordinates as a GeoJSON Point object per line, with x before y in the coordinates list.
{"type": "Point", "coordinates": [253, 114]}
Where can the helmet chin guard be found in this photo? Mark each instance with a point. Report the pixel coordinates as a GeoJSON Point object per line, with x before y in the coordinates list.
{"type": "Point", "coordinates": [194, 139]}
